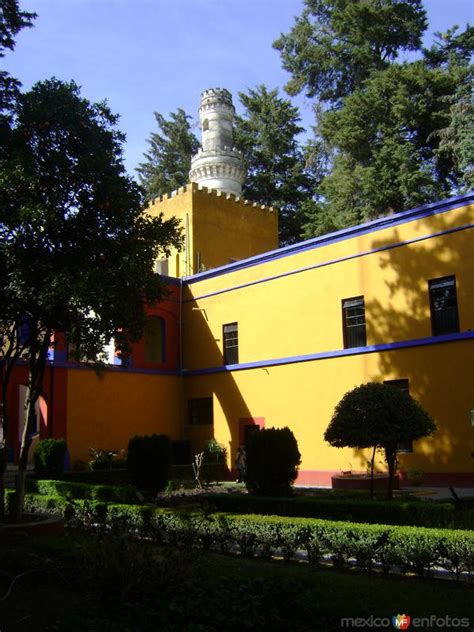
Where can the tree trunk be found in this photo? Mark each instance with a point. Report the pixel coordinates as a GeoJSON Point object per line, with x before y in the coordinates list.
{"type": "Point", "coordinates": [38, 353]}
{"type": "Point", "coordinates": [391, 458]}
{"type": "Point", "coordinates": [372, 474]}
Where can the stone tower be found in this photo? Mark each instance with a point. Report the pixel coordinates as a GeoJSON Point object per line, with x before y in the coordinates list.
{"type": "Point", "coordinates": [217, 165]}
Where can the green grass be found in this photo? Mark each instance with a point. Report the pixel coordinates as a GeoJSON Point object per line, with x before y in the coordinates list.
{"type": "Point", "coordinates": [79, 583]}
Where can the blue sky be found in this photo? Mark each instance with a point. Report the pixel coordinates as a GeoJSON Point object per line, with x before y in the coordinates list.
{"type": "Point", "coordinates": [158, 55]}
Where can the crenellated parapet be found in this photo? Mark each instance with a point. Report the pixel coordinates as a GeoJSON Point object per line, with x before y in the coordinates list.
{"type": "Point", "coordinates": [194, 187]}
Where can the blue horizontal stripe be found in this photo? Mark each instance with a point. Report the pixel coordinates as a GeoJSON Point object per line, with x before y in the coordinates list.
{"type": "Point", "coordinates": [331, 262]}
{"type": "Point", "coordinates": [346, 233]}
{"type": "Point", "coordinates": [338, 353]}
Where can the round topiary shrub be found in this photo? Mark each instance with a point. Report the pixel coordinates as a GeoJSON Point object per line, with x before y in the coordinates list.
{"type": "Point", "coordinates": [149, 462]}
{"type": "Point", "coordinates": [272, 460]}
{"type": "Point", "coordinates": [49, 458]}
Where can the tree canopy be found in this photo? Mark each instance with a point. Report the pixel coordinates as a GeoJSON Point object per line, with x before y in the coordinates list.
{"type": "Point", "coordinates": [76, 249]}
{"type": "Point", "coordinates": [168, 160]}
{"type": "Point", "coordinates": [277, 174]}
{"type": "Point", "coordinates": [12, 20]}
{"type": "Point", "coordinates": [393, 134]}
{"type": "Point", "coordinates": [335, 45]}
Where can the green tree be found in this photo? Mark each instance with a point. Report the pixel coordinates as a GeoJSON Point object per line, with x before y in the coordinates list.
{"type": "Point", "coordinates": [378, 416]}
{"type": "Point", "coordinates": [76, 249]}
{"type": "Point", "coordinates": [12, 20]}
{"type": "Point", "coordinates": [168, 161]}
{"type": "Point", "coordinates": [401, 140]}
{"type": "Point", "coordinates": [277, 174]}
{"type": "Point", "coordinates": [335, 45]}
{"type": "Point", "coordinates": [272, 459]}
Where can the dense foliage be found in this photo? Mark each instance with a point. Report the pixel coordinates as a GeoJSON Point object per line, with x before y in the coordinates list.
{"type": "Point", "coordinates": [368, 546]}
{"type": "Point", "coordinates": [393, 134]}
{"type": "Point", "coordinates": [67, 204]}
{"type": "Point", "coordinates": [49, 458]}
{"type": "Point", "coordinates": [277, 172]}
{"type": "Point", "coordinates": [149, 461]}
{"type": "Point", "coordinates": [168, 160]}
{"type": "Point", "coordinates": [272, 459]}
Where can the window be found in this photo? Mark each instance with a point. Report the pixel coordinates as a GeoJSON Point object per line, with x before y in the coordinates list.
{"type": "Point", "coordinates": [404, 385]}
{"type": "Point", "coordinates": [154, 340]}
{"type": "Point", "coordinates": [200, 411]}
{"type": "Point", "coordinates": [353, 322]}
{"type": "Point", "coordinates": [231, 344]}
{"type": "Point", "coordinates": [444, 306]}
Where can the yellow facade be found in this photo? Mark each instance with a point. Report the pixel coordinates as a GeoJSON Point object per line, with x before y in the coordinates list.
{"type": "Point", "coordinates": [217, 228]}
{"type": "Point", "coordinates": [106, 410]}
{"type": "Point", "coordinates": [293, 366]}
{"type": "Point", "coordinates": [288, 306]}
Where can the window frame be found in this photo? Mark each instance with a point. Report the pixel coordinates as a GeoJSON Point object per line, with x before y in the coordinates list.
{"type": "Point", "coordinates": [345, 326]}
{"type": "Point", "coordinates": [195, 406]}
{"type": "Point", "coordinates": [228, 350]}
{"type": "Point", "coordinates": [436, 329]}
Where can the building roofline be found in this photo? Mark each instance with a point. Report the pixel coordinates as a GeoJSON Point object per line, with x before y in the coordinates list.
{"type": "Point", "coordinates": [381, 223]}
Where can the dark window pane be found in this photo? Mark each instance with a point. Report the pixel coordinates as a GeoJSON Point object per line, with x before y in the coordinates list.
{"type": "Point", "coordinates": [353, 316]}
{"type": "Point", "coordinates": [231, 343]}
{"type": "Point", "coordinates": [444, 306]}
{"type": "Point", "coordinates": [200, 411]}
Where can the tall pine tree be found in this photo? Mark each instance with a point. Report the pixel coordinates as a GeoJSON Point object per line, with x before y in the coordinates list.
{"type": "Point", "coordinates": [397, 134]}
{"type": "Point", "coordinates": [168, 161]}
{"type": "Point", "coordinates": [277, 174]}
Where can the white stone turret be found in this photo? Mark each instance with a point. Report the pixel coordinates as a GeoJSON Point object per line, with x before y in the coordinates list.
{"type": "Point", "coordinates": [218, 165]}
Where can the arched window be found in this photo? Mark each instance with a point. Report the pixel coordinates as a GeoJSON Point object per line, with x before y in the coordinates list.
{"type": "Point", "coordinates": [205, 125]}
{"type": "Point", "coordinates": [154, 339]}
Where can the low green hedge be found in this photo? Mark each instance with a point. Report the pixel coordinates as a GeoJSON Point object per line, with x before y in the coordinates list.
{"type": "Point", "coordinates": [84, 491]}
{"type": "Point", "coordinates": [366, 546]}
{"type": "Point", "coordinates": [98, 477]}
{"type": "Point", "coordinates": [397, 512]}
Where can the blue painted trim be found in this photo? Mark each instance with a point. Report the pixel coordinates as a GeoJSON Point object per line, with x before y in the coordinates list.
{"type": "Point", "coordinates": [346, 233]}
{"type": "Point", "coordinates": [338, 353]}
{"type": "Point", "coordinates": [331, 262]}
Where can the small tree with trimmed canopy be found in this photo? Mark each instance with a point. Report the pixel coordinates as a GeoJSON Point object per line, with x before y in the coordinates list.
{"type": "Point", "coordinates": [378, 416]}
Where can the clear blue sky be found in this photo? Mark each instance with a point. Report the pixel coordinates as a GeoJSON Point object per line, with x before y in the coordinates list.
{"type": "Point", "coordinates": [158, 55]}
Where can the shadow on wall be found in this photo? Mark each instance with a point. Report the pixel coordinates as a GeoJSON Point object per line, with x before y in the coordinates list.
{"type": "Point", "coordinates": [440, 376]}
{"type": "Point", "coordinates": [227, 398]}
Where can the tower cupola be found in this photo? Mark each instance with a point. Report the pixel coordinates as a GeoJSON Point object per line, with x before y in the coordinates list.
{"type": "Point", "coordinates": [218, 164]}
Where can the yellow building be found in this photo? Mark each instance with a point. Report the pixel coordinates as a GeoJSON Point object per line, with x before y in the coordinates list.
{"type": "Point", "coordinates": [254, 335]}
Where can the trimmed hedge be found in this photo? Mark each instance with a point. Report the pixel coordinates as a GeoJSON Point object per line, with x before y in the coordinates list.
{"type": "Point", "coordinates": [49, 457]}
{"type": "Point", "coordinates": [82, 491]}
{"type": "Point", "coordinates": [98, 477]}
{"type": "Point", "coordinates": [365, 546]}
{"type": "Point", "coordinates": [149, 461]}
{"type": "Point", "coordinates": [396, 512]}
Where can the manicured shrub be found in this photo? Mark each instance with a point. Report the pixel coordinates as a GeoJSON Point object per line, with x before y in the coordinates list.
{"type": "Point", "coordinates": [272, 460]}
{"type": "Point", "coordinates": [49, 458]}
{"type": "Point", "coordinates": [149, 462]}
{"type": "Point", "coordinates": [390, 548]}
{"type": "Point", "coordinates": [397, 512]}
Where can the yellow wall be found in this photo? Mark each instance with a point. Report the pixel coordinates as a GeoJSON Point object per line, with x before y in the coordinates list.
{"type": "Point", "coordinates": [105, 411]}
{"type": "Point", "coordinates": [303, 396]}
{"type": "Point", "coordinates": [216, 228]}
{"type": "Point", "coordinates": [300, 314]}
